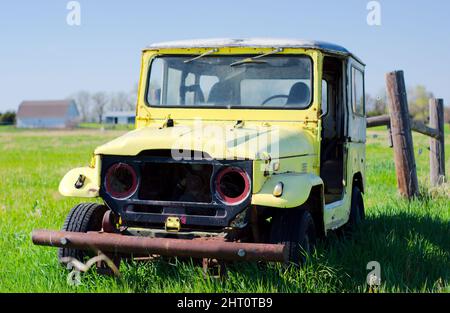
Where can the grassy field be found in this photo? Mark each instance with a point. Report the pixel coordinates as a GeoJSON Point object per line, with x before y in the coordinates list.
{"type": "Point", "coordinates": [410, 240]}
{"type": "Point", "coordinates": [106, 126]}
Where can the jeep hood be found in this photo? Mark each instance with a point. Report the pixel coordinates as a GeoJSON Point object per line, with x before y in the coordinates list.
{"type": "Point", "coordinates": [219, 141]}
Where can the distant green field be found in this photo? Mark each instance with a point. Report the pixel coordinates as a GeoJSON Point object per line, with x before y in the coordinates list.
{"type": "Point", "coordinates": [410, 240]}
{"type": "Point", "coordinates": [106, 126]}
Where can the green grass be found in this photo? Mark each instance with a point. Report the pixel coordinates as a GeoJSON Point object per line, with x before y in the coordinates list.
{"type": "Point", "coordinates": [106, 126]}
{"type": "Point", "coordinates": [410, 240]}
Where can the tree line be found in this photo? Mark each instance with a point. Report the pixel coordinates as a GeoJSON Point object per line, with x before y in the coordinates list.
{"type": "Point", "coordinates": [93, 106]}
{"type": "Point", "coordinates": [418, 98]}
{"type": "Point", "coordinates": [8, 118]}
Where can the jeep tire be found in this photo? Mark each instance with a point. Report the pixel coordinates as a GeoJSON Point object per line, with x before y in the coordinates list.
{"type": "Point", "coordinates": [82, 218]}
{"type": "Point", "coordinates": [296, 229]}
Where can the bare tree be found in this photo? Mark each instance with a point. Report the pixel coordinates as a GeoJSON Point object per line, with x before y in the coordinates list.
{"type": "Point", "coordinates": [93, 107]}
{"type": "Point", "coordinates": [370, 105]}
{"type": "Point", "coordinates": [84, 104]}
{"type": "Point", "coordinates": [381, 102]}
{"type": "Point", "coordinates": [100, 101]}
{"type": "Point", "coordinates": [447, 114]}
{"type": "Point", "coordinates": [378, 105]}
{"type": "Point", "coordinates": [418, 98]}
{"type": "Point", "coordinates": [119, 101]}
{"type": "Point", "coordinates": [122, 101]}
{"type": "Point", "coordinates": [132, 98]}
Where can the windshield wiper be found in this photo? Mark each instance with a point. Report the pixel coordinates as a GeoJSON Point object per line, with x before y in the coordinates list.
{"type": "Point", "coordinates": [202, 55]}
{"type": "Point", "coordinates": [254, 59]}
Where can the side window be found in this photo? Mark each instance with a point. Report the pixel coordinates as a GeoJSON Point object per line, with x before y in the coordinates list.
{"type": "Point", "coordinates": [358, 91]}
{"type": "Point", "coordinates": [173, 86]}
{"type": "Point", "coordinates": [156, 82]}
{"type": "Point", "coordinates": [160, 92]}
{"type": "Point", "coordinates": [324, 97]}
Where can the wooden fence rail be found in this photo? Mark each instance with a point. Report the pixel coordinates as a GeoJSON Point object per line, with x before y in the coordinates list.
{"type": "Point", "coordinates": [420, 127]}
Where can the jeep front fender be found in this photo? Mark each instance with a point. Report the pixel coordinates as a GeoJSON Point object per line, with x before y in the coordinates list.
{"type": "Point", "coordinates": [296, 190]}
{"type": "Point", "coordinates": [90, 186]}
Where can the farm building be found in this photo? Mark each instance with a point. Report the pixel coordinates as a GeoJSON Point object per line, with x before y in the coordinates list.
{"type": "Point", "coordinates": [48, 114]}
{"type": "Point", "coordinates": [120, 117]}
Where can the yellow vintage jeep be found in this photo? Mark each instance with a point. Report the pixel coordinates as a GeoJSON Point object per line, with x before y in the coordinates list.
{"type": "Point", "coordinates": [244, 149]}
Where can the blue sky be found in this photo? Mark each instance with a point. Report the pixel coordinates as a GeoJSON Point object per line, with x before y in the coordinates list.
{"type": "Point", "coordinates": [41, 57]}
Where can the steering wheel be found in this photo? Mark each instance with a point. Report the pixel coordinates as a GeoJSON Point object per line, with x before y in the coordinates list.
{"type": "Point", "coordinates": [274, 97]}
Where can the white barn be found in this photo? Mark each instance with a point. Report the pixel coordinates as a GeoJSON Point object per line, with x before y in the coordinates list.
{"type": "Point", "coordinates": [120, 117]}
{"type": "Point", "coordinates": [48, 114]}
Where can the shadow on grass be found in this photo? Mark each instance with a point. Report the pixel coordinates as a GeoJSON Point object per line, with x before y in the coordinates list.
{"type": "Point", "coordinates": [413, 251]}
{"type": "Point", "coordinates": [244, 277]}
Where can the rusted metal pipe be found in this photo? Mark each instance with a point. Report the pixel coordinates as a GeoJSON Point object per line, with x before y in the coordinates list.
{"type": "Point", "coordinates": [201, 248]}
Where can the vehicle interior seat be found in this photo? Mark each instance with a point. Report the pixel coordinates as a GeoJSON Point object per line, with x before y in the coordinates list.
{"type": "Point", "coordinates": [220, 93]}
{"type": "Point", "coordinates": [299, 94]}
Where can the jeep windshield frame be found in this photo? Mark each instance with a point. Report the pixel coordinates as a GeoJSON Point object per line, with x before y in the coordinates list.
{"type": "Point", "coordinates": [283, 81]}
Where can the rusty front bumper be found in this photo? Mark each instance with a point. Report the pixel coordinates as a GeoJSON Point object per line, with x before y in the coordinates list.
{"type": "Point", "coordinates": [197, 248]}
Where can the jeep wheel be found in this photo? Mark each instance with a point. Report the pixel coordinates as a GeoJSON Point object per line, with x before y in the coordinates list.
{"type": "Point", "coordinates": [357, 212]}
{"type": "Point", "coordinates": [82, 218]}
{"type": "Point", "coordinates": [296, 229]}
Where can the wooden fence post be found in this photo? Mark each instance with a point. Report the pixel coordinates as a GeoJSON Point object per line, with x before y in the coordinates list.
{"type": "Point", "coordinates": [437, 145]}
{"type": "Point", "coordinates": [405, 164]}
{"type": "Point", "coordinates": [390, 143]}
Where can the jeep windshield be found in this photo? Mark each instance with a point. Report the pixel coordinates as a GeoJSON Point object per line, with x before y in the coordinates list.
{"type": "Point", "coordinates": [270, 82]}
